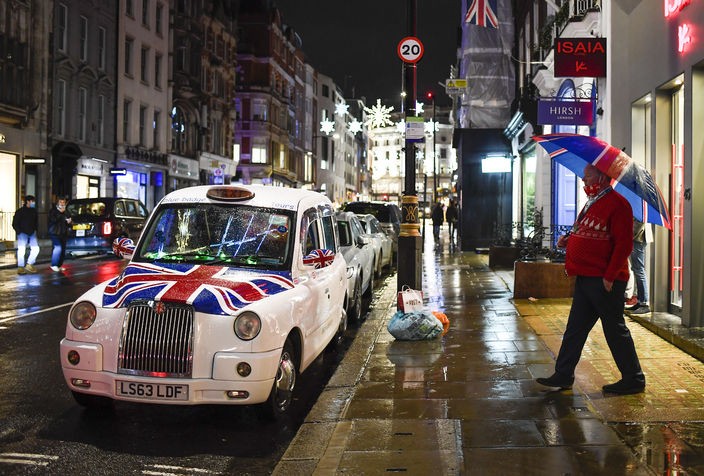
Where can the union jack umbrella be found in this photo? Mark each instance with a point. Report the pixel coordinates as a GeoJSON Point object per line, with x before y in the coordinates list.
{"type": "Point", "coordinates": [482, 13]}
{"type": "Point", "coordinates": [206, 288]}
{"type": "Point", "coordinates": [122, 246]}
{"type": "Point", "coordinates": [319, 258]}
{"type": "Point", "coordinates": [628, 177]}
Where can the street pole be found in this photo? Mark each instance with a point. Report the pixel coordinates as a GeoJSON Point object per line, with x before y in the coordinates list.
{"type": "Point", "coordinates": [409, 240]}
{"type": "Point", "coordinates": [435, 161]}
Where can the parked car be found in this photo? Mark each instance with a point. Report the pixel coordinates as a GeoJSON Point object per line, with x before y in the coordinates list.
{"type": "Point", "coordinates": [230, 293]}
{"type": "Point", "coordinates": [96, 222]}
{"type": "Point", "coordinates": [357, 248]}
{"type": "Point", "coordinates": [388, 214]}
{"type": "Point", "coordinates": [383, 246]}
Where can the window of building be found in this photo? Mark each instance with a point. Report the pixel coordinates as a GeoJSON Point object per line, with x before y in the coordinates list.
{"type": "Point", "coordinates": [101, 119]}
{"type": "Point", "coordinates": [259, 111]}
{"type": "Point", "coordinates": [216, 133]}
{"type": "Point", "coordinates": [82, 100]}
{"type": "Point", "coordinates": [157, 71]}
{"type": "Point", "coordinates": [129, 42]}
{"type": "Point", "coordinates": [158, 22]}
{"type": "Point", "coordinates": [102, 39]}
{"type": "Point", "coordinates": [61, 27]}
{"type": "Point", "coordinates": [126, 107]}
{"type": "Point", "coordinates": [83, 53]}
{"type": "Point", "coordinates": [179, 130]}
{"type": "Point", "coordinates": [143, 60]}
{"type": "Point", "coordinates": [60, 107]}
{"type": "Point", "coordinates": [259, 153]}
{"type": "Point", "coordinates": [326, 91]}
{"type": "Point", "coordinates": [142, 125]}
{"type": "Point", "coordinates": [129, 8]}
{"type": "Point", "coordinates": [145, 13]}
{"type": "Point", "coordinates": [156, 125]}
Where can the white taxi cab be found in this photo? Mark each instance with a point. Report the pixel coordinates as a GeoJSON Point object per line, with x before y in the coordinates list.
{"type": "Point", "coordinates": [230, 293]}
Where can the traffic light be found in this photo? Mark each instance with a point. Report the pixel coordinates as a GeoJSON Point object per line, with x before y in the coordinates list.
{"type": "Point", "coordinates": [430, 96]}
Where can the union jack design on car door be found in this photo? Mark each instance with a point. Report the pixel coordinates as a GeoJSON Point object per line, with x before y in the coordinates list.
{"type": "Point", "coordinates": [204, 287]}
{"type": "Point", "coordinates": [319, 258]}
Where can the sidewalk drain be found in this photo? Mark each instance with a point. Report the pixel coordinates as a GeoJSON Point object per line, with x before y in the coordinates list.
{"type": "Point", "coordinates": [396, 470]}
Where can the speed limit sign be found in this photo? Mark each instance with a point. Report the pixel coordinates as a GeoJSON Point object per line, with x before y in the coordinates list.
{"type": "Point", "coordinates": [410, 49]}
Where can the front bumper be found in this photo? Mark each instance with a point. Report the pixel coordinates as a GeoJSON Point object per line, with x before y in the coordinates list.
{"type": "Point", "coordinates": [88, 376]}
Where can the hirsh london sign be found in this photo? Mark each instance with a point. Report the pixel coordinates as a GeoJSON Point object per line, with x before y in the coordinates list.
{"type": "Point", "coordinates": [580, 57]}
{"type": "Point", "coordinates": [565, 112]}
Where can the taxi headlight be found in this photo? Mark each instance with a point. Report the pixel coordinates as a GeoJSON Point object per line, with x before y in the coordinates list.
{"type": "Point", "coordinates": [247, 325]}
{"type": "Point", "coordinates": [82, 315]}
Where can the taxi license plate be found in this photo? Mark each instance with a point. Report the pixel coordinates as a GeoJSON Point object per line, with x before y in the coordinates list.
{"type": "Point", "coordinates": [151, 391]}
{"type": "Point", "coordinates": [80, 232]}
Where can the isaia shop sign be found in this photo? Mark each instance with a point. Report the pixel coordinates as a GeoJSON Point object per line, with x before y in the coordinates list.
{"type": "Point", "coordinates": [580, 57]}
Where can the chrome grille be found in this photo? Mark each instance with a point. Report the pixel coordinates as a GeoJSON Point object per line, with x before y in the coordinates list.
{"type": "Point", "coordinates": [158, 344]}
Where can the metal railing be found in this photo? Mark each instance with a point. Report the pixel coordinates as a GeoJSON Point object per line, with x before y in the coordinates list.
{"type": "Point", "coordinates": [534, 241]}
{"type": "Point", "coordinates": [574, 9]}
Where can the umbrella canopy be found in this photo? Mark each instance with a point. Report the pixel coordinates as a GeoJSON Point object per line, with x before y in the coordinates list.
{"type": "Point", "coordinates": [628, 178]}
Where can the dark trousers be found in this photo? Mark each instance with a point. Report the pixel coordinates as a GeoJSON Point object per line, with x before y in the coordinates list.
{"type": "Point", "coordinates": [590, 303]}
{"type": "Point", "coordinates": [58, 252]}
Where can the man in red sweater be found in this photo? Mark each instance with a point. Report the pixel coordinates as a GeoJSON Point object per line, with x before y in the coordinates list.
{"type": "Point", "coordinates": [598, 247]}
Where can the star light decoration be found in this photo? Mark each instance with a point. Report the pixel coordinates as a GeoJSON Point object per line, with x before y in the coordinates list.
{"type": "Point", "coordinates": [355, 126]}
{"type": "Point", "coordinates": [327, 126]}
{"type": "Point", "coordinates": [430, 127]}
{"type": "Point", "coordinates": [419, 108]}
{"type": "Point", "coordinates": [401, 127]}
{"type": "Point", "coordinates": [378, 115]}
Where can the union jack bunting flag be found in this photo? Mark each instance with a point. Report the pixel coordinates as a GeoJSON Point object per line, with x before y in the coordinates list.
{"type": "Point", "coordinates": [207, 288]}
{"type": "Point", "coordinates": [482, 13]}
{"type": "Point", "coordinates": [319, 258]}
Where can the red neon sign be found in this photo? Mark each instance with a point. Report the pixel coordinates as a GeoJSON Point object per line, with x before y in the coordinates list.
{"type": "Point", "coordinates": [674, 6]}
{"type": "Point", "coordinates": [684, 37]}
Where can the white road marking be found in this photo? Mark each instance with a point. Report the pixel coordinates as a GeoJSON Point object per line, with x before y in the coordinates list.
{"type": "Point", "coordinates": [12, 318]}
{"type": "Point", "coordinates": [180, 470]}
{"type": "Point", "coordinates": [27, 458]}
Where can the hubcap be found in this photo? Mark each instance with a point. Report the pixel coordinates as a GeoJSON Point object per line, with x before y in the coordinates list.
{"type": "Point", "coordinates": [285, 381]}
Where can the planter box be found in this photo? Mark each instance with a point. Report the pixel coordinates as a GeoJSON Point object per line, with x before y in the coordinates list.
{"type": "Point", "coordinates": [541, 279]}
{"type": "Point", "coordinates": [503, 256]}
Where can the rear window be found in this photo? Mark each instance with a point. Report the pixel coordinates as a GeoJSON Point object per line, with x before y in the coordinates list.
{"type": "Point", "coordinates": [87, 209]}
{"type": "Point", "coordinates": [381, 212]}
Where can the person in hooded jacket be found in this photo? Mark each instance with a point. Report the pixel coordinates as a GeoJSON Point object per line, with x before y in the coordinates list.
{"type": "Point", "coordinates": [24, 222]}
{"type": "Point", "coordinates": [59, 221]}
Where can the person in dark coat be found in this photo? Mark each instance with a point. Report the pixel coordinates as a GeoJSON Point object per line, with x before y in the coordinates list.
{"type": "Point", "coordinates": [452, 215]}
{"type": "Point", "coordinates": [59, 221]}
{"type": "Point", "coordinates": [438, 217]}
{"type": "Point", "coordinates": [24, 222]}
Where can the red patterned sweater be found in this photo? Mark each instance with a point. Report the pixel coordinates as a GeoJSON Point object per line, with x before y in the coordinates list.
{"type": "Point", "coordinates": [601, 240]}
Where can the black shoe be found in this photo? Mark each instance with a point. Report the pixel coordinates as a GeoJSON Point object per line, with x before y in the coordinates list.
{"type": "Point", "coordinates": [633, 307]}
{"type": "Point", "coordinates": [624, 387]}
{"type": "Point", "coordinates": [641, 309]}
{"type": "Point", "coordinates": [556, 381]}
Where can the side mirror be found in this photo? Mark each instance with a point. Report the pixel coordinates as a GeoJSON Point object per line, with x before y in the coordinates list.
{"type": "Point", "coordinates": [362, 240]}
{"type": "Point", "coordinates": [320, 258]}
{"type": "Point", "coordinates": [123, 248]}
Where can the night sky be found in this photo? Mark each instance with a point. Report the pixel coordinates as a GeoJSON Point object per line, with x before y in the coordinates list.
{"type": "Point", "coordinates": [354, 42]}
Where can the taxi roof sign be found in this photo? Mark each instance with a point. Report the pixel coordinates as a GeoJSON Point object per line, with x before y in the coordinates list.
{"type": "Point", "coordinates": [229, 194]}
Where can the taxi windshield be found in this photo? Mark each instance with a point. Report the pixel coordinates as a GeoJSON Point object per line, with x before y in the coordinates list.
{"type": "Point", "coordinates": [218, 234]}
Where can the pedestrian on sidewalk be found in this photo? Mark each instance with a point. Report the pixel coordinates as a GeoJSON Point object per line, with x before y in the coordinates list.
{"type": "Point", "coordinates": [598, 247]}
{"type": "Point", "coordinates": [25, 222]}
{"type": "Point", "coordinates": [59, 221]}
{"type": "Point", "coordinates": [640, 241]}
{"type": "Point", "coordinates": [438, 217]}
{"type": "Point", "coordinates": [452, 214]}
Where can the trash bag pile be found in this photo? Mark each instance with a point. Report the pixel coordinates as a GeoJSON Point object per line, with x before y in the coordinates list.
{"type": "Point", "coordinates": [417, 325]}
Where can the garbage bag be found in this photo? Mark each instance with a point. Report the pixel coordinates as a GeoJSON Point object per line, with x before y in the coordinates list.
{"type": "Point", "coordinates": [442, 317]}
{"type": "Point", "coordinates": [416, 325]}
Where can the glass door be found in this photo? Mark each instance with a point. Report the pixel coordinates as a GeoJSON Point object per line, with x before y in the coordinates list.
{"type": "Point", "coordinates": [677, 200]}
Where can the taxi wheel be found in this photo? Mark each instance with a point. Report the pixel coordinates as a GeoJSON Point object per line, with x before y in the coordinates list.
{"type": "Point", "coordinates": [91, 401]}
{"type": "Point", "coordinates": [281, 394]}
{"type": "Point", "coordinates": [378, 264]}
{"type": "Point", "coordinates": [339, 337]}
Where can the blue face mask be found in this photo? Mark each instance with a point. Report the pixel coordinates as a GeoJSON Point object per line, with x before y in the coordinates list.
{"type": "Point", "coordinates": [32, 204]}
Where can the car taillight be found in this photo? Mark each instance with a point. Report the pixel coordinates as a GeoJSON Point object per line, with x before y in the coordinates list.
{"type": "Point", "coordinates": [107, 228]}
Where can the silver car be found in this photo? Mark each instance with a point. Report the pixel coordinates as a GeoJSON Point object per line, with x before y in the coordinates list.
{"type": "Point", "coordinates": [357, 249]}
{"type": "Point", "coordinates": [383, 244]}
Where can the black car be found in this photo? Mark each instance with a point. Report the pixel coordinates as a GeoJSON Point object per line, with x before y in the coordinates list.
{"type": "Point", "coordinates": [96, 222]}
{"type": "Point", "coordinates": [388, 214]}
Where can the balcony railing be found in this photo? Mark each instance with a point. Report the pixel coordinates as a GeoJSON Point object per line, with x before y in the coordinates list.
{"type": "Point", "coordinates": [569, 11]}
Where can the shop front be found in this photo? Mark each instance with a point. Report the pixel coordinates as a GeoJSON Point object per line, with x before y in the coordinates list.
{"type": "Point", "coordinates": [140, 180]}
{"type": "Point", "coordinates": [183, 172]}
{"type": "Point", "coordinates": [92, 177]}
{"type": "Point", "coordinates": [658, 115]}
{"type": "Point", "coordinates": [216, 169]}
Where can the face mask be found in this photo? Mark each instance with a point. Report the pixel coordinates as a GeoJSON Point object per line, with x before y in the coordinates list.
{"type": "Point", "coordinates": [32, 204]}
{"type": "Point", "coordinates": [61, 207]}
{"type": "Point", "coordinates": [592, 190]}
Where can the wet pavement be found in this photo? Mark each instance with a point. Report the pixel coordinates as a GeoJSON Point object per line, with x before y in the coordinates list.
{"type": "Point", "coordinates": [467, 402]}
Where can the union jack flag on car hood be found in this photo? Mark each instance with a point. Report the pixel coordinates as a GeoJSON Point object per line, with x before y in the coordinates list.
{"type": "Point", "coordinates": [210, 289]}
{"type": "Point", "coordinates": [482, 13]}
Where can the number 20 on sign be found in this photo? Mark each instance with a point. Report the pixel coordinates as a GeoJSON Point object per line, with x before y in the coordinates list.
{"type": "Point", "coordinates": [410, 49]}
